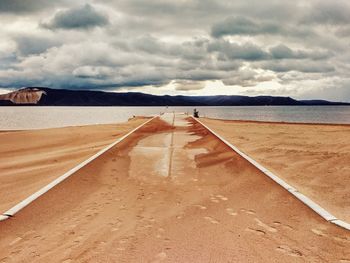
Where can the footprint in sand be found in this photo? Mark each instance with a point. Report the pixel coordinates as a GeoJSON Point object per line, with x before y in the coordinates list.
{"type": "Point", "coordinates": [266, 227]}
{"type": "Point", "coordinates": [250, 212]}
{"type": "Point", "coordinates": [231, 212]}
{"type": "Point", "coordinates": [214, 200]}
{"type": "Point", "coordinates": [287, 227]}
{"type": "Point", "coordinates": [16, 240]}
{"type": "Point", "coordinates": [160, 232]}
{"type": "Point", "coordinates": [78, 239]}
{"type": "Point", "coordinates": [279, 224]}
{"type": "Point", "coordinates": [256, 231]}
{"type": "Point", "coordinates": [29, 235]}
{"type": "Point", "coordinates": [16, 252]}
{"type": "Point", "coordinates": [211, 220]}
{"type": "Point", "coordinates": [289, 251]}
{"type": "Point", "coordinates": [140, 218]}
{"type": "Point", "coordinates": [202, 207]}
{"type": "Point", "coordinates": [318, 232]}
{"type": "Point", "coordinates": [341, 239]}
{"type": "Point", "coordinates": [223, 198]}
{"type": "Point", "coordinates": [160, 257]}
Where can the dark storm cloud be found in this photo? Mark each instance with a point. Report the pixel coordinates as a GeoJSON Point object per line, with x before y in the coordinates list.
{"type": "Point", "coordinates": [252, 52]}
{"type": "Point", "coordinates": [243, 26]}
{"type": "Point", "coordinates": [26, 6]}
{"type": "Point", "coordinates": [93, 72]}
{"type": "Point", "coordinates": [300, 66]}
{"type": "Point", "coordinates": [328, 12]}
{"type": "Point", "coordinates": [30, 45]}
{"type": "Point", "coordinates": [84, 17]}
{"type": "Point", "coordinates": [8, 62]}
{"type": "Point", "coordinates": [249, 51]}
{"type": "Point", "coordinates": [172, 9]}
{"type": "Point", "coordinates": [281, 51]}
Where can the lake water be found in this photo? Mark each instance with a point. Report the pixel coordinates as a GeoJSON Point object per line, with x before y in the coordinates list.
{"type": "Point", "coordinates": [18, 118]}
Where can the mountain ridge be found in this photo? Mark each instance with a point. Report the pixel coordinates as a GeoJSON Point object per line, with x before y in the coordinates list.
{"type": "Point", "coordinates": [42, 96]}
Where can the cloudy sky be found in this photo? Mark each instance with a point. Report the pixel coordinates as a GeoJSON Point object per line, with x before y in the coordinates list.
{"type": "Point", "coordinates": [193, 47]}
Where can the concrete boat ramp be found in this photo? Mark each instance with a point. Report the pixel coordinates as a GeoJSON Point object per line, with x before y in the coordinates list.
{"type": "Point", "coordinates": [170, 191]}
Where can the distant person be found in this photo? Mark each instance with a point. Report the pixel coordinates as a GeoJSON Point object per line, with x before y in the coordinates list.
{"type": "Point", "coordinates": [195, 113]}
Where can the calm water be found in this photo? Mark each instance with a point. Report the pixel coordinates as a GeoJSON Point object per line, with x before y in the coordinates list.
{"type": "Point", "coordinates": [17, 118]}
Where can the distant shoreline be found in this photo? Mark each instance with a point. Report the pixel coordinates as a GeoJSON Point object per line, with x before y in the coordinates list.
{"type": "Point", "coordinates": [279, 122]}
{"type": "Point", "coordinates": [44, 117]}
{"type": "Point", "coordinates": [102, 125]}
{"type": "Point", "coordinates": [340, 104]}
{"type": "Point", "coordinates": [42, 96]}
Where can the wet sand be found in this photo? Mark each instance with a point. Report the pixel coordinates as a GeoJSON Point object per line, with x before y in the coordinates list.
{"type": "Point", "coordinates": [31, 159]}
{"type": "Point", "coordinates": [170, 194]}
{"type": "Point", "coordinates": [314, 158]}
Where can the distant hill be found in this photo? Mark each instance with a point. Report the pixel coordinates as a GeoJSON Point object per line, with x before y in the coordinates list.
{"type": "Point", "coordinates": [22, 96]}
{"type": "Point", "coordinates": [38, 96]}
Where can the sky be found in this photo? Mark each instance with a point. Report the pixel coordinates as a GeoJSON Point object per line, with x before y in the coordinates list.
{"type": "Point", "coordinates": [190, 47]}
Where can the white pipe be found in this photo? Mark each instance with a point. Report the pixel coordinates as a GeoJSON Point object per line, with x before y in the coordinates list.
{"type": "Point", "coordinates": [304, 199]}
{"type": "Point", "coordinates": [2, 217]}
{"type": "Point", "coordinates": [341, 224]}
{"type": "Point", "coordinates": [12, 211]}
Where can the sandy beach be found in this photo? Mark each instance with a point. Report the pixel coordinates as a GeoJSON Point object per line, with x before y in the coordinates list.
{"type": "Point", "coordinates": [31, 159]}
{"type": "Point", "coordinates": [171, 192]}
{"type": "Point", "coordinates": [314, 158]}
{"type": "Point", "coordinates": [175, 131]}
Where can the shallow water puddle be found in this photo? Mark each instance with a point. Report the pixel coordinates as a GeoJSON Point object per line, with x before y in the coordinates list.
{"type": "Point", "coordinates": [164, 154]}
